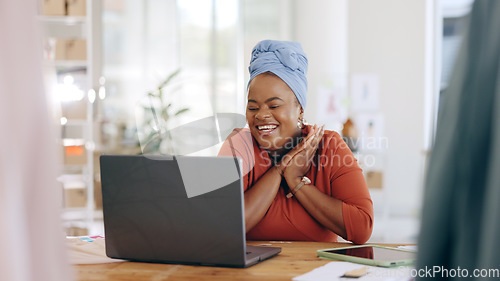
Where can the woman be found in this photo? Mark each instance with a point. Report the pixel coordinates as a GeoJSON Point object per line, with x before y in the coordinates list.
{"type": "Point", "coordinates": [301, 182]}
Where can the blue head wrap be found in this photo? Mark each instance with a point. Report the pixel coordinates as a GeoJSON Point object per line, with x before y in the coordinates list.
{"type": "Point", "coordinates": [285, 59]}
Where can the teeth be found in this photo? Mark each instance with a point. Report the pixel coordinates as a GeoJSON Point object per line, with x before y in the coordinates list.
{"type": "Point", "coordinates": [267, 127]}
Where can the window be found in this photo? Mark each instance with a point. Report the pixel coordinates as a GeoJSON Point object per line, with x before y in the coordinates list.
{"type": "Point", "coordinates": [208, 40]}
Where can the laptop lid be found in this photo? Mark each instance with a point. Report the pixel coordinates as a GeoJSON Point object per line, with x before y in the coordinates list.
{"type": "Point", "coordinates": [174, 209]}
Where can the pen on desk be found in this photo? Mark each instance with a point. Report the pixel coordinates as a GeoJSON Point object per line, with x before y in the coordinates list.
{"type": "Point", "coordinates": [355, 273]}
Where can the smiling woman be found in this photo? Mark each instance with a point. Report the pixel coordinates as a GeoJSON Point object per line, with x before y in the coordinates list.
{"type": "Point", "coordinates": [272, 112]}
{"type": "Point", "coordinates": [301, 182]}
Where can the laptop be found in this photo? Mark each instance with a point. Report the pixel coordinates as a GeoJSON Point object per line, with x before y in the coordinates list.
{"type": "Point", "coordinates": [176, 209]}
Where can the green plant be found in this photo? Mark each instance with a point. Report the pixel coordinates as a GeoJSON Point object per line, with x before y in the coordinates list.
{"type": "Point", "coordinates": [154, 136]}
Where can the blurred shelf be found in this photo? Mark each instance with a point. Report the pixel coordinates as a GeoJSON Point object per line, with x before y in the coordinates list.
{"type": "Point", "coordinates": [73, 142]}
{"type": "Point", "coordinates": [63, 26]}
{"type": "Point", "coordinates": [79, 65]}
{"type": "Point", "coordinates": [75, 214]}
{"type": "Point", "coordinates": [76, 122]}
{"type": "Point", "coordinates": [79, 60]}
{"type": "Point", "coordinates": [63, 19]}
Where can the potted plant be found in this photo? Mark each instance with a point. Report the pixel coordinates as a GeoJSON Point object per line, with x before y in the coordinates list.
{"type": "Point", "coordinates": [157, 110]}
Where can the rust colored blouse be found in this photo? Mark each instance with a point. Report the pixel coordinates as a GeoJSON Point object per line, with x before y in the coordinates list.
{"type": "Point", "coordinates": [334, 171]}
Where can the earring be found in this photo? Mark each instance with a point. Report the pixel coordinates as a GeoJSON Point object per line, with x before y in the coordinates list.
{"type": "Point", "coordinates": [300, 123]}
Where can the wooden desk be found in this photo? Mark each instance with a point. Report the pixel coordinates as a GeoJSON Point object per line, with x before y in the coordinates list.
{"type": "Point", "coordinates": [296, 258]}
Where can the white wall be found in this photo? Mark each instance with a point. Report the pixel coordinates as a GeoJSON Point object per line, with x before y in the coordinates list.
{"type": "Point", "coordinates": [321, 27]}
{"type": "Point", "coordinates": [388, 38]}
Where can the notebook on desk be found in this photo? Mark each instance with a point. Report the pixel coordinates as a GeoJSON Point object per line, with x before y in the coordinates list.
{"type": "Point", "coordinates": [176, 209]}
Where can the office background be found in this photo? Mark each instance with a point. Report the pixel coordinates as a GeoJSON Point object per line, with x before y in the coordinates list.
{"type": "Point", "coordinates": [380, 64]}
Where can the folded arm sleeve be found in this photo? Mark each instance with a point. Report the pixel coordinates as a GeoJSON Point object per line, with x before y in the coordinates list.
{"type": "Point", "coordinates": [348, 184]}
{"type": "Point", "coordinates": [239, 144]}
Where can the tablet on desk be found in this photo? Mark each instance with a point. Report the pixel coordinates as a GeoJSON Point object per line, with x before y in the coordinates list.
{"type": "Point", "coordinates": [370, 255]}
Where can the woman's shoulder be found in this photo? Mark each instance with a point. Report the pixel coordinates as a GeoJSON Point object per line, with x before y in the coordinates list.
{"type": "Point", "coordinates": [333, 141]}
{"type": "Point", "coordinates": [239, 137]}
{"type": "Point", "coordinates": [241, 130]}
{"type": "Point", "coordinates": [329, 134]}
{"type": "Point", "coordinates": [239, 141]}
{"type": "Point", "coordinates": [242, 133]}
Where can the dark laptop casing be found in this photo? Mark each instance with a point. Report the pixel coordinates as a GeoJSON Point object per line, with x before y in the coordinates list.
{"type": "Point", "coordinates": [149, 217]}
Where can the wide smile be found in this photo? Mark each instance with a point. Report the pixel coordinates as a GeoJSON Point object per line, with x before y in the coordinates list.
{"type": "Point", "coordinates": [267, 129]}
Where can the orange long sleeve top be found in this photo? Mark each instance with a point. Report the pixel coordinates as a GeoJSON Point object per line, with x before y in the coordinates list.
{"type": "Point", "coordinates": [334, 171]}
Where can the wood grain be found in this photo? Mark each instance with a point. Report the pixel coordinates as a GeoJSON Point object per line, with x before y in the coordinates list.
{"type": "Point", "coordinates": [296, 258]}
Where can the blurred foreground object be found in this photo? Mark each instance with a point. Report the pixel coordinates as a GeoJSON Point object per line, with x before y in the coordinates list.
{"type": "Point", "coordinates": [461, 214]}
{"type": "Point", "coordinates": [31, 236]}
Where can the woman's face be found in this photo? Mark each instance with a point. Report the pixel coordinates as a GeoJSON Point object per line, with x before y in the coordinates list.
{"type": "Point", "coordinates": [272, 112]}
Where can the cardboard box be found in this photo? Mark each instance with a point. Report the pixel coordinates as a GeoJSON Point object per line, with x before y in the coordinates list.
{"type": "Point", "coordinates": [374, 179]}
{"type": "Point", "coordinates": [53, 7]}
{"type": "Point", "coordinates": [73, 49]}
{"type": "Point", "coordinates": [75, 197]}
{"type": "Point", "coordinates": [76, 49]}
{"type": "Point", "coordinates": [77, 8]}
{"type": "Point", "coordinates": [76, 231]}
{"type": "Point", "coordinates": [75, 155]}
{"type": "Point", "coordinates": [60, 50]}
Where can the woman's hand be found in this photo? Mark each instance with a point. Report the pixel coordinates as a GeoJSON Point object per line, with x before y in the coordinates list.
{"type": "Point", "coordinates": [325, 209]}
{"type": "Point", "coordinates": [298, 161]}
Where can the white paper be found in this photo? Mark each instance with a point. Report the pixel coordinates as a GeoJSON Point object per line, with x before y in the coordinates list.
{"type": "Point", "coordinates": [31, 243]}
{"type": "Point", "coordinates": [365, 92]}
{"type": "Point", "coordinates": [331, 107]}
{"type": "Point", "coordinates": [88, 251]}
{"type": "Point", "coordinates": [334, 270]}
{"type": "Point", "coordinates": [371, 132]}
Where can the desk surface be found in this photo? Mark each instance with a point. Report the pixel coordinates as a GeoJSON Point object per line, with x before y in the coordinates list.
{"type": "Point", "coordinates": [296, 258]}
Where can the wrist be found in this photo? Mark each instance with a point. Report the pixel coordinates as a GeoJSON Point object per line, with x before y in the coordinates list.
{"type": "Point", "coordinates": [279, 170]}
{"type": "Point", "coordinates": [292, 182]}
{"type": "Point", "coordinates": [293, 190]}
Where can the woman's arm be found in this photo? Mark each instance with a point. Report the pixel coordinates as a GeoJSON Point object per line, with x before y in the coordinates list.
{"type": "Point", "coordinates": [258, 199]}
{"type": "Point", "coordinates": [348, 213]}
{"type": "Point", "coordinates": [348, 210]}
{"type": "Point", "coordinates": [260, 196]}
{"type": "Point", "coordinates": [351, 219]}
{"type": "Point", "coordinates": [325, 209]}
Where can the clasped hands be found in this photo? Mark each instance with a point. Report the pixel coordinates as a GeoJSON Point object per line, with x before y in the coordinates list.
{"type": "Point", "coordinates": [297, 162]}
